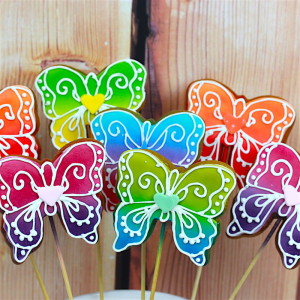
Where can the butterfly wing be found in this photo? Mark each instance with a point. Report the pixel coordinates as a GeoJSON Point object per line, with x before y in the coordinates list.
{"type": "Point", "coordinates": [141, 176]}
{"type": "Point", "coordinates": [177, 137]}
{"type": "Point", "coordinates": [17, 122]}
{"type": "Point", "coordinates": [203, 191]}
{"type": "Point", "coordinates": [81, 176]}
{"type": "Point", "coordinates": [123, 85]}
{"type": "Point", "coordinates": [23, 217]}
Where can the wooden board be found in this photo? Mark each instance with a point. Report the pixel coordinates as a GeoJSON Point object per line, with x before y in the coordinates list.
{"type": "Point", "coordinates": [252, 47]}
{"type": "Point", "coordinates": [35, 33]}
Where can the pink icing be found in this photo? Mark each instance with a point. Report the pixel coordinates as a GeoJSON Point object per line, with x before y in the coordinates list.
{"type": "Point", "coordinates": [292, 196]}
{"type": "Point", "coordinates": [50, 194]}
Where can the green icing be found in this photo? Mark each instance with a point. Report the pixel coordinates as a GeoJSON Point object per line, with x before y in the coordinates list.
{"type": "Point", "coordinates": [166, 202]}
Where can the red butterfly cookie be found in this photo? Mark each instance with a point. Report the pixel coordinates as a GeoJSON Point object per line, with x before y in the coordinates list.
{"type": "Point", "coordinates": [237, 124]}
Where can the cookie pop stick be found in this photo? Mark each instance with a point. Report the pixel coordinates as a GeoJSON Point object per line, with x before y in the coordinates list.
{"type": "Point", "coordinates": [151, 188]}
{"type": "Point", "coordinates": [237, 128]}
{"type": "Point", "coordinates": [31, 190]}
{"type": "Point", "coordinates": [272, 189]}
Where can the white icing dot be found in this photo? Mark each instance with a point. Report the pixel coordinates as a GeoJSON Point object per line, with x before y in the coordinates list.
{"type": "Point", "coordinates": [185, 241]}
{"type": "Point", "coordinates": [21, 238]}
{"type": "Point", "coordinates": [27, 103]}
{"type": "Point", "coordinates": [238, 159]}
{"type": "Point", "coordinates": [221, 197]}
{"type": "Point", "coordinates": [92, 237]}
{"type": "Point", "coordinates": [192, 143]}
{"type": "Point", "coordinates": [24, 95]}
{"type": "Point", "coordinates": [30, 239]}
{"type": "Point", "coordinates": [138, 97]}
{"type": "Point", "coordinates": [48, 103]}
{"type": "Point", "coordinates": [226, 189]}
{"type": "Point", "coordinates": [192, 242]}
{"type": "Point", "coordinates": [290, 243]}
{"type": "Point", "coordinates": [291, 260]}
{"type": "Point", "coordinates": [196, 104]}
{"type": "Point", "coordinates": [40, 81]}
{"type": "Point", "coordinates": [125, 230]}
{"type": "Point", "coordinates": [97, 185]}
{"type": "Point", "coordinates": [96, 168]}
{"type": "Point", "coordinates": [96, 125]}
{"type": "Point", "coordinates": [134, 103]}
{"type": "Point", "coordinates": [279, 128]}
{"type": "Point", "coordinates": [100, 160]}
{"type": "Point", "coordinates": [227, 180]}
{"type": "Point", "coordinates": [108, 170]}
{"type": "Point", "coordinates": [181, 235]}
{"type": "Point", "coordinates": [97, 133]}
{"type": "Point", "coordinates": [194, 97]}
{"type": "Point", "coordinates": [212, 211]}
{"type": "Point", "coordinates": [124, 184]}
{"type": "Point", "coordinates": [25, 111]}
{"type": "Point", "coordinates": [44, 88]}
{"type": "Point", "coordinates": [217, 203]}
{"type": "Point", "coordinates": [193, 153]}
{"type": "Point", "coordinates": [277, 136]}
{"type": "Point", "coordinates": [195, 90]}
{"type": "Point", "coordinates": [49, 111]}
{"type": "Point", "coordinates": [243, 215]}
{"type": "Point", "coordinates": [6, 205]}
{"type": "Point", "coordinates": [188, 160]}
{"type": "Point", "coordinates": [27, 126]}
{"type": "Point", "coordinates": [202, 235]}
{"type": "Point", "coordinates": [124, 194]}
{"type": "Point", "coordinates": [233, 228]}
{"type": "Point", "coordinates": [262, 163]}
{"type": "Point", "coordinates": [126, 176]}
{"type": "Point", "coordinates": [47, 95]}
{"type": "Point", "coordinates": [102, 141]}
{"type": "Point", "coordinates": [257, 220]}
{"type": "Point", "coordinates": [268, 150]}
{"type": "Point", "coordinates": [27, 118]}
{"type": "Point", "coordinates": [23, 252]}
{"type": "Point", "coordinates": [96, 176]}
{"type": "Point", "coordinates": [285, 122]}
{"type": "Point", "coordinates": [199, 125]}
{"type": "Point", "coordinates": [258, 170]}
{"type": "Point", "coordinates": [249, 220]}
{"type": "Point", "coordinates": [196, 135]}
{"type": "Point", "coordinates": [3, 197]}
{"type": "Point", "coordinates": [241, 208]}
{"type": "Point", "coordinates": [243, 176]}
{"type": "Point", "coordinates": [264, 155]}
{"type": "Point", "coordinates": [123, 168]}
{"type": "Point", "coordinates": [138, 233]}
{"type": "Point", "coordinates": [99, 152]}
{"type": "Point", "coordinates": [2, 187]}
{"type": "Point", "coordinates": [253, 177]}
{"type": "Point", "coordinates": [131, 234]}
{"type": "Point", "coordinates": [298, 246]}
{"type": "Point", "coordinates": [290, 115]}
{"type": "Point", "coordinates": [140, 79]}
{"type": "Point", "coordinates": [140, 70]}
{"type": "Point", "coordinates": [198, 259]}
{"type": "Point", "coordinates": [138, 88]}
{"type": "Point", "coordinates": [123, 218]}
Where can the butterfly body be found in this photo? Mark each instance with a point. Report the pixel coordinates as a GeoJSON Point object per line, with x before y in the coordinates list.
{"type": "Point", "coordinates": [177, 137]}
{"type": "Point", "coordinates": [30, 190]}
{"type": "Point", "coordinates": [231, 121]}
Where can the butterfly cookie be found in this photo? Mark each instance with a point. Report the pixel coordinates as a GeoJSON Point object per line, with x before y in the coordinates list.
{"type": "Point", "coordinates": [71, 99]}
{"type": "Point", "coordinates": [236, 129]}
{"type": "Point", "coordinates": [151, 188]}
{"type": "Point", "coordinates": [176, 136]}
{"type": "Point", "coordinates": [31, 190]}
{"type": "Point", "coordinates": [272, 189]}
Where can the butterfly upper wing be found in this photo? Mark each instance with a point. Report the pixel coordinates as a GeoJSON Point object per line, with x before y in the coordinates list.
{"type": "Point", "coordinates": [81, 175]}
{"type": "Point", "coordinates": [123, 84]}
{"type": "Point", "coordinates": [177, 137]}
{"type": "Point", "coordinates": [23, 211]}
{"type": "Point", "coordinates": [203, 191]}
{"type": "Point", "coordinates": [141, 176]}
{"type": "Point", "coordinates": [17, 122]}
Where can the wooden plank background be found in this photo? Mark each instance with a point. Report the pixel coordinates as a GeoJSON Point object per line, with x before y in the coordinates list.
{"type": "Point", "coordinates": [252, 47]}
{"type": "Point", "coordinates": [92, 34]}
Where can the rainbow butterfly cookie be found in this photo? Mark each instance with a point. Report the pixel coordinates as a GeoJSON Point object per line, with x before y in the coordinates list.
{"type": "Point", "coordinates": [71, 99]}
{"type": "Point", "coordinates": [237, 128]}
{"type": "Point", "coordinates": [68, 185]}
{"type": "Point", "coordinates": [17, 122]}
{"type": "Point", "coordinates": [272, 190]}
{"type": "Point", "coordinates": [151, 188]}
{"type": "Point", "coordinates": [176, 136]}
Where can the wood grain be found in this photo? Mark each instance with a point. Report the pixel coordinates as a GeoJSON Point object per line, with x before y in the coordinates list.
{"type": "Point", "coordinates": [92, 34]}
{"type": "Point", "coordinates": [252, 47]}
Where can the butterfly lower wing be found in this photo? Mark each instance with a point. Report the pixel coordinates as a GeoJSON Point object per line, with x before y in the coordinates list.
{"type": "Point", "coordinates": [81, 216]}
{"type": "Point", "coordinates": [178, 138]}
{"type": "Point", "coordinates": [252, 209]}
{"type": "Point", "coordinates": [193, 234]}
{"type": "Point", "coordinates": [123, 84]}
{"type": "Point", "coordinates": [24, 230]}
{"type": "Point", "coordinates": [133, 223]}
{"type": "Point", "coordinates": [289, 239]}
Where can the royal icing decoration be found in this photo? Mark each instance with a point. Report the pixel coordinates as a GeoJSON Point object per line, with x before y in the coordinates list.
{"type": "Point", "coordinates": [176, 136]}
{"type": "Point", "coordinates": [31, 190]}
{"type": "Point", "coordinates": [17, 122]}
{"type": "Point", "coordinates": [72, 99]}
{"type": "Point", "coordinates": [150, 189]}
{"type": "Point", "coordinates": [233, 121]}
{"type": "Point", "coordinates": [273, 187]}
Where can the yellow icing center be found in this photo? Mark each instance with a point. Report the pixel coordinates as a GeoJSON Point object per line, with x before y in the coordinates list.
{"type": "Point", "coordinates": [92, 103]}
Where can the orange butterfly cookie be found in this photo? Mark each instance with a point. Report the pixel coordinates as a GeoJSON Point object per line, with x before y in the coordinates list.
{"type": "Point", "coordinates": [237, 128]}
